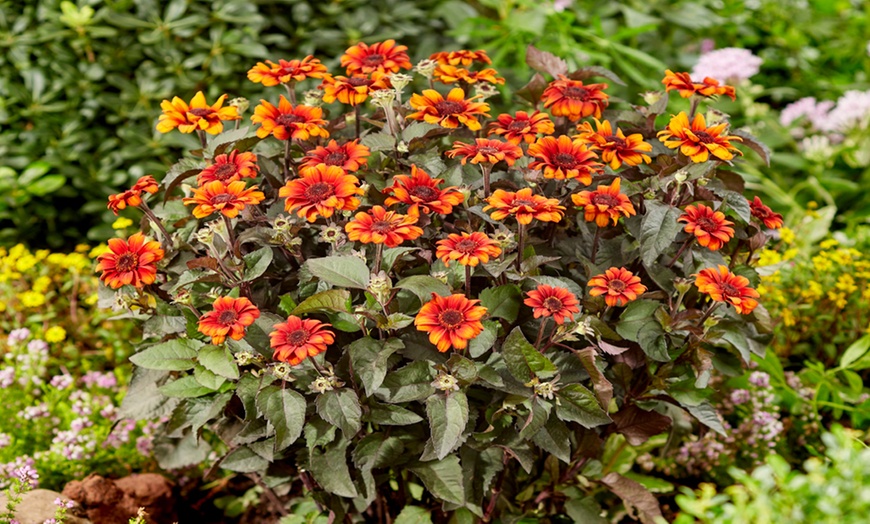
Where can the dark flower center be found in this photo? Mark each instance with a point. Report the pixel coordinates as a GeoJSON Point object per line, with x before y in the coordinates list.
{"type": "Point", "coordinates": [466, 246]}
{"type": "Point", "coordinates": [616, 285]}
{"type": "Point", "coordinates": [357, 81]}
{"type": "Point", "coordinates": [577, 93]}
{"type": "Point", "coordinates": [762, 212]}
{"type": "Point", "coordinates": [566, 160]}
{"type": "Point", "coordinates": [225, 171]}
{"type": "Point", "coordinates": [373, 60]}
{"type": "Point", "coordinates": [127, 262]}
{"type": "Point", "coordinates": [201, 111]}
{"type": "Point", "coordinates": [553, 304]}
{"type": "Point", "coordinates": [521, 202]}
{"type": "Point", "coordinates": [223, 198]}
{"type": "Point", "coordinates": [298, 337]}
{"type": "Point", "coordinates": [425, 193]}
{"type": "Point", "coordinates": [381, 226]}
{"type": "Point", "coordinates": [449, 107]}
{"type": "Point", "coordinates": [605, 199]}
{"type": "Point", "coordinates": [614, 142]}
{"type": "Point", "coordinates": [228, 317]}
{"type": "Point", "coordinates": [728, 289]}
{"type": "Point", "coordinates": [450, 318]}
{"type": "Point", "coordinates": [487, 150]}
{"type": "Point", "coordinates": [518, 126]}
{"type": "Point", "coordinates": [704, 137]}
{"type": "Point", "coordinates": [287, 120]}
{"type": "Point", "coordinates": [707, 224]}
{"type": "Point", "coordinates": [319, 192]}
{"type": "Point", "coordinates": [336, 158]}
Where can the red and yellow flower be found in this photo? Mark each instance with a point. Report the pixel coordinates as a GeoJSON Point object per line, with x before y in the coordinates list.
{"type": "Point", "coordinates": [549, 301]}
{"type": "Point", "coordinates": [524, 206]}
{"type": "Point", "coordinates": [321, 191]}
{"type": "Point", "coordinates": [349, 156]}
{"type": "Point", "coordinates": [711, 228]}
{"type": "Point", "coordinates": [462, 57]}
{"type": "Point", "coordinates": [697, 141]}
{"type": "Point", "coordinates": [196, 116]}
{"type": "Point", "coordinates": [353, 90]}
{"type": "Point", "coordinates": [229, 199]}
{"type": "Point", "coordinates": [564, 159]}
{"type": "Point", "coordinates": [486, 151]}
{"type": "Point", "coordinates": [618, 285]}
{"type": "Point", "coordinates": [765, 214]}
{"type": "Point", "coordinates": [133, 196]}
{"type": "Point", "coordinates": [380, 57]}
{"type": "Point", "coordinates": [286, 121]}
{"type": "Point", "coordinates": [133, 261]}
{"type": "Point", "coordinates": [146, 184]}
{"type": "Point", "coordinates": [230, 168]}
{"type": "Point", "coordinates": [604, 204]}
{"type": "Point", "coordinates": [450, 321]}
{"type": "Point", "coordinates": [449, 74]}
{"type": "Point", "coordinates": [295, 340]}
{"type": "Point", "coordinates": [421, 193]}
{"type": "Point", "coordinates": [616, 149]}
{"type": "Point", "coordinates": [572, 99]}
{"type": "Point", "coordinates": [450, 112]}
{"type": "Point", "coordinates": [286, 71]}
{"type": "Point", "coordinates": [724, 286]}
{"type": "Point", "coordinates": [469, 249]}
{"type": "Point", "coordinates": [682, 82]}
{"type": "Point", "coordinates": [522, 126]}
{"type": "Point", "coordinates": [228, 317]}
{"type": "Point", "coordinates": [379, 226]}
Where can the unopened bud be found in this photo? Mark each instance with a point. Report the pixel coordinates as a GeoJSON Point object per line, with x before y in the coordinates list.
{"type": "Point", "coordinates": [426, 67]}
{"type": "Point", "coordinates": [240, 103]}
{"type": "Point", "coordinates": [400, 81]}
{"type": "Point", "coordinates": [313, 98]}
{"type": "Point", "coordinates": [651, 97]}
{"type": "Point", "coordinates": [485, 90]}
{"type": "Point", "coordinates": [321, 385]}
{"type": "Point", "coordinates": [441, 276]}
{"type": "Point", "coordinates": [383, 98]}
{"type": "Point", "coordinates": [332, 235]}
{"type": "Point", "coordinates": [445, 382]}
{"type": "Point", "coordinates": [283, 371]}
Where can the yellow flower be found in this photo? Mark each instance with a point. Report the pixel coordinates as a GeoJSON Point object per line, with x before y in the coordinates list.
{"type": "Point", "coordinates": [121, 223]}
{"type": "Point", "coordinates": [17, 251]}
{"type": "Point", "coordinates": [822, 263]}
{"type": "Point", "coordinates": [31, 299]}
{"type": "Point", "coordinates": [41, 254]}
{"type": "Point", "coordinates": [55, 258]}
{"type": "Point", "coordinates": [55, 334]}
{"type": "Point", "coordinates": [83, 248]}
{"type": "Point", "coordinates": [41, 284]}
{"type": "Point", "coordinates": [98, 250]}
{"type": "Point", "coordinates": [790, 253]}
{"type": "Point", "coordinates": [788, 318]}
{"type": "Point", "coordinates": [25, 263]}
{"type": "Point", "coordinates": [787, 235]}
{"type": "Point", "coordinates": [846, 284]}
{"type": "Point", "coordinates": [2, 306]}
{"type": "Point", "coordinates": [828, 244]}
{"type": "Point", "coordinates": [92, 299]}
{"type": "Point", "coordinates": [769, 257]}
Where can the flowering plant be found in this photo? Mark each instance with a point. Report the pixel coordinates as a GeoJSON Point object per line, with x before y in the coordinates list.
{"type": "Point", "coordinates": [360, 299]}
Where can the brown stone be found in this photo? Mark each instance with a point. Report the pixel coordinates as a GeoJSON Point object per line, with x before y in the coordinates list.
{"type": "Point", "coordinates": [37, 506]}
{"type": "Point", "coordinates": [106, 500]}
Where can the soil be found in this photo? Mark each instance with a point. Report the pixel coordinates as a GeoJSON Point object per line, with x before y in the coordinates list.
{"type": "Point", "coordinates": [107, 500]}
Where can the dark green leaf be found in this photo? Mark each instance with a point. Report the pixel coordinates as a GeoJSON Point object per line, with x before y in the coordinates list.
{"type": "Point", "coordinates": [330, 470]}
{"type": "Point", "coordinates": [413, 515]}
{"type": "Point", "coordinates": [257, 262]}
{"type": "Point", "coordinates": [185, 387]}
{"type": "Point", "coordinates": [523, 360]}
{"type": "Point", "coordinates": [285, 410]}
{"type": "Point", "coordinates": [389, 415]}
{"type": "Point", "coordinates": [555, 438]}
{"type": "Point", "coordinates": [448, 416]}
{"type": "Point", "coordinates": [579, 405]}
{"type": "Point", "coordinates": [658, 230]}
{"type": "Point", "coordinates": [341, 408]}
{"type": "Point", "coordinates": [369, 359]}
{"type": "Point", "coordinates": [443, 478]}
{"type": "Point", "coordinates": [244, 460]}
{"type": "Point", "coordinates": [423, 286]}
{"type": "Point", "coordinates": [174, 355]}
{"type": "Point", "coordinates": [707, 415]}
{"type": "Point", "coordinates": [219, 361]}
{"type": "Point", "coordinates": [206, 378]}
{"type": "Point", "coordinates": [483, 342]}
{"type": "Point", "coordinates": [412, 382]}
{"type": "Point", "coordinates": [340, 271]}
{"type": "Point", "coordinates": [329, 300]}
{"type": "Point", "coordinates": [502, 301]}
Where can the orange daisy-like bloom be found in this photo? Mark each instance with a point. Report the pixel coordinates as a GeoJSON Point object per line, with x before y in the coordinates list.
{"type": "Point", "coordinates": [286, 71]}
{"type": "Point", "coordinates": [697, 141]}
{"type": "Point", "coordinates": [421, 193]}
{"type": "Point", "coordinates": [682, 82]}
{"type": "Point", "coordinates": [450, 321]}
{"type": "Point", "coordinates": [451, 112]}
{"type": "Point", "coordinates": [765, 214]}
{"type": "Point", "coordinates": [462, 57]}
{"type": "Point", "coordinates": [711, 228]}
{"type": "Point", "coordinates": [523, 126]}
{"type": "Point", "coordinates": [349, 156]}
{"type": "Point", "coordinates": [229, 316]}
{"type": "Point", "coordinates": [550, 301]}
{"type": "Point", "coordinates": [618, 285]}
{"type": "Point", "coordinates": [724, 286]}
{"type": "Point", "coordinates": [448, 74]}
{"type": "Point", "coordinates": [229, 199]}
{"type": "Point", "coordinates": [321, 191]}
{"type": "Point", "coordinates": [133, 196]}
{"type": "Point", "coordinates": [563, 159]}
{"type": "Point", "coordinates": [230, 168]}
{"type": "Point", "coordinates": [380, 226]}
{"type": "Point", "coordinates": [295, 340]}
{"type": "Point", "coordinates": [286, 122]}
{"type": "Point", "coordinates": [354, 90]}
{"type": "Point", "coordinates": [133, 261]}
{"type": "Point", "coordinates": [381, 57]}
{"type": "Point", "coordinates": [469, 249]}
{"type": "Point", "coordinates": [572, 99]}
{"type": "Point", "coordinates": [524, 206]}
{"type": "Point", "coordinates": [196, 116]}
{"type": "Point", "coordinates": [616, 149]}
{"type": "Point", "coordinates": [486, 151]}
{"type": "Point", "coordinates": [146, 184]}
{"type": "Point", "coordinates": [604, 204]}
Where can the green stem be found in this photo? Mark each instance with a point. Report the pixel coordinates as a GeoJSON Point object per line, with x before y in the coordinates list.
{"type": "Point", "coordinates": [468, 281]}
{"type": "Point", "coordinates": [595, 241]}
{"type": "Point", "coordinates": [521, 237]}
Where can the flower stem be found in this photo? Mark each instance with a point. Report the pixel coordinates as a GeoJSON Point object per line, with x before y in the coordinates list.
{"type": "Point", "coordinates": [379, 252]}
{"type": "Point", "coordinates": [468, 281]}
{"type": "Point", "coordinates": [167, 240]}
{"type": "Point", "coordinates": [486, 169]}
{"type": "Point", "coordinates": [521, 237]}
{"type": "Point", "coordinates": [357, 123]}
{"type": "Point", "coordinates": [680, 252]}
{"type": "Point", "coordinates": [595, 241]}
{"type": "Point", "coordinates": [203, 140]}
{"type": "Point", "coordinates": [709, 312]}
{"type": "Point", "coordinates": [540, 334]}
{"type": "Point", "coordinates": [231, 235]}
{"type": "Point", "coordinates": [287, 160]}
{"type": "Point", "coordinates": [291, 91]}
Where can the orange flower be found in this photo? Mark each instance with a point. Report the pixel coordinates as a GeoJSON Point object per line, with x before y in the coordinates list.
{"type": "Point", "coordinates": [229, 316]}
{"type": "Point", "coordinates": [487, 151]}
{"type": "Point", "coordinates": [615, 149]}
{"type": "Point", "coordinates": [765, 214]}
{"type": "Point", "coordinates": [572, 99]}
{"type": "Point", "coordinates": [349, 156]}
{"type": "Point", "coordinates": [295, 340]}
{"type": "Point", "coordinates": [354, 90]}
{"type": "Point", "coordinates": [448, 74]}
{"type": "Point", "coordinates": [321, 191]}
{"type": "Point", "coordinates": [229, 199]}
{"type": "Point", "coordinates": [469, 249]}
{"type": "Point", "coordinates": [462, 57]}
{"type": "Point", "coordinates": [229, 168]}
{"type": "Point", "coordinates": [380, 226]}
{"type": "Point", "coordinates": [524, 206]}
{"type": "Point", "coordinates": [196, 116]}
{"type": "Point", "coordinates": [709, 227]}
{"type": "Point", "coordinates": [450, 112]}
{"type": "Point", "coordinates": [604, 204]}
{"type": "Point", "coordinates": [285, 72]}
{"type": "Point", "coordinates": [450, 321]}
{"type": "Point", "coordinates": [146, 184]}
{"type": "Point", "coordinates": [133, 261]}
{"type": "Point", "coordinates": [618, 285]}
{"type": "Point", "coordinates": [380, 57]}
{"type": "Point", "coordinates": [556, 302]}
{"type": "Point", "coordinates": [286, 122]}
{"type": "Point", "coordinates": [563, 159]}
{"type": "Point", "coordinates": [682, 82]}
{"type": "Point", "coordinates": [724, 286]}
{"type": "Point", "coordinates": [521, 127]}
{"type": "Point", "coordinates": [421, 192]}
{"type": "Point", "coordinates": [699, 141]}
{"type": "Point", "coordinates": [133, 196]}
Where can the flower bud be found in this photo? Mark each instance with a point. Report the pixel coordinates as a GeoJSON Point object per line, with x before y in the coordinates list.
{"type": "Point", "coordinates": [313, 98]}
{"type": "Point", "coordinates": [445, 382]}
{"type": "Point", "coordinates": [183, 298]}
{"type": "Point", "coordinates": [504, 238]}
{"type": "Point", "coordinates": [651, 97]}
{"type": "Point", "coordinates": [240, 103]}
{"type": "Point", "coordinates": [380, 286]}
{"type": "Point", "coordinates": [441, 276]}
{"type": "Point", "coordinates": [383, 98]}
{"type": "Point", "coordinates": [332, 235]}
{"type": "Point", "coordinates": [546, 390]}
{"type": "Point", "coordinates": [402, 147]}
{"type": "Point", "coordinates": [244, 358]}
{"type": "Point", "coordinates": [400, 81]}
{"type": "Point", "coordinates": [321, 385]}
{"type": "Point", "coordinates": [283, 371]}
{"type": "Point", "coordinates": [426, 67]}
{"type": "Point", "coordinates": [485, 90]}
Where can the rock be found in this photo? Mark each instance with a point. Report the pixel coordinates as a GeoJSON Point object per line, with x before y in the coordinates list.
{"type": "Point", "coordinates": [37, 506]}
{"type": "Point", "coordinates": [106, 500]}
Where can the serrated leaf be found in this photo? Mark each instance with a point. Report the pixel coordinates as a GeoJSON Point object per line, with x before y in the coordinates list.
{"type": "Point", "coordinates": [219, 361]}
{"type": "Point", "coordinates": [638, 425]}
{"type": "Point", "coordinates": [484, 341]}
{"type": "Point", "coordinates": [340, 271]}
{"type": "Point", "coordinates": [257, 262]}
{"type": "Point", "coordinates": [448, 416]}
{"type": "Point", "coordinates": [412, 382]}
{"type": "Point", "coordinates": [423, 286]}
{"type": "Point", "coordinates": [392, 254]}
{"type": "Point", "coordinates": [207, 379]}
{"type": "Point", "coordinates": [185, 387]}
{"type": "Point", "coordinates": [634, 495]}
{"type": "Point", "coordinates": [592, 71]}
{"type": "Point", "coordinates": [285, 410]}
{"type": "Point", "coordinates": [329, 300]}
{"type": "Point", "coordinates": [554, 437]}
{"type": "Point", "coordinates": [330, 470]}
{"type": "Point", "coordinates": [244, 460]}
{"type": "Point", "coordinates": [413, 515]}
{"type": "Point", "coordinates": [579, 405]}
{"type": "Point", "coordinates": [174, 355]}
{"type": "Point", "coordinates": [502, 301]}
{"type": "Point", "coordinates": [603, 388]}
{"type": "Point", "coordinates": [707, 415]}
{"type": "Point", "coordinates": [183, 169]}
{"type": "Point", "coordinates": [341, 408]}
{"type": "Point", "coordinates": [443, 478]}
{"type": "Point", "coordinates": [369, 359]}
{"type": "Point", "coordinates": [658, 230]}
{"type": "Point", "coordinates": [417, 130]}
{"type": "Point", "coordinates": [750, 141]}
{"type": "Point", "coordinates": [389, 415]}
{"type": "Point", "coordinates": [379, 141]}
{"type": "Point", "coordinates": [545, 62]}
{"type": "Point", "coordinates": [523, 360]}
